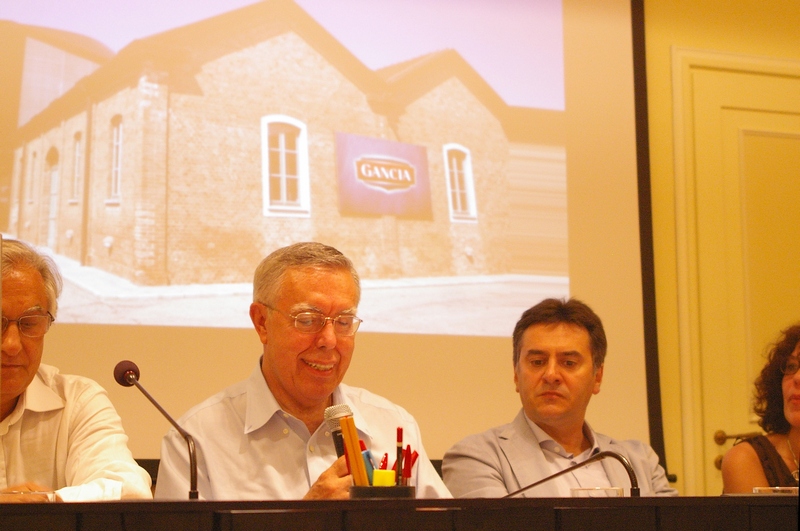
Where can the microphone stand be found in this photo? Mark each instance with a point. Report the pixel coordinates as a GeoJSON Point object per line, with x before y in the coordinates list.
{"type": "Point", "coordinates": [132, 379]}
{"type": "Point", "coordinates": [597, 457]}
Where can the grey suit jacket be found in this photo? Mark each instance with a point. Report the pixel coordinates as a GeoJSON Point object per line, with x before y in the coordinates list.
{"type": "Point", "coordinates": [506, 458]}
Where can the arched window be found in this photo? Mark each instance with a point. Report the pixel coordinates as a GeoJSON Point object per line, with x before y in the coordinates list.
{"type": "Point", "coordinates": [460, 184]}
{"type": "Point", "coordinates": [115, 176]}
{"type": "Point", "coordinates": [284, 166]}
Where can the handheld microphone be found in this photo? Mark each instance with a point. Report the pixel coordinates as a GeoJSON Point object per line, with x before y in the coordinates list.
{"type": "Point", "coordinates": [597, 457]}
{"type": "Point", "coordinates": [333, 416]}
{"type": "Point", "coordinates": [126, 373]}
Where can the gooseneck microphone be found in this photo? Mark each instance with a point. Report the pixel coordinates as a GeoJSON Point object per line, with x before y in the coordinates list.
{"type": "Point", "coordinates": [596, 457]}
{"type": "Point", "coordinates": [333, 416]}
{"type": "Point", "coordinates": [126, 373]}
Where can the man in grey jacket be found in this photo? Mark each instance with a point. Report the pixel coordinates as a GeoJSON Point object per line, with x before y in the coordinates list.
{"type": "Point", "coordinates": [559, 351]}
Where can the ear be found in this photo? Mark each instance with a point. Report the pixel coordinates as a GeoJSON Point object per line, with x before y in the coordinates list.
{"type": "Point", "coordinates": [598, 379]}
{"type": "Point", "coordinates": [258, 315]}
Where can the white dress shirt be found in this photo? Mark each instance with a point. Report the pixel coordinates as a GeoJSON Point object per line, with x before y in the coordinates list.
{"type": "Point", "coordinates": [249, 449]}
{"type": "Point", "coordinates": [557, 459]}
{"type": "Point", "coordinates": [66, 435]}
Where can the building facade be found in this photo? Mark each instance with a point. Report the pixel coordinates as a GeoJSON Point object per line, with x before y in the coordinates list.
{"type": "Point", "coordinates": [193, 153]}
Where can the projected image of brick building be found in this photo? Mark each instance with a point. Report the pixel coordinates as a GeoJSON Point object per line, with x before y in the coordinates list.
{"type": "Point", "coordinates": [191, 154]}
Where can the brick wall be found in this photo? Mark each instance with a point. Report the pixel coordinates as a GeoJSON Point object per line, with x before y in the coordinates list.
{"type": "Point", "coordinates": [190, 209]}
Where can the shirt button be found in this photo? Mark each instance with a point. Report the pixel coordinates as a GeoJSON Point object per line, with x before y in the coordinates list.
{"type": "Point", "coordinates": [327, 434]}
{"type": "Point", "coordinates": [311, 449]}
{"type": "Point", "coordinates": [286, 431]}
{"type": "Point", "coordinates": [558, 449]}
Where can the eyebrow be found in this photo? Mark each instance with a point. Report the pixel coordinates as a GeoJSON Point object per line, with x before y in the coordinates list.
{"type": "Point", "coordinates": [300, 308]}
{"type": "Point", "coordinates": [535, 352]}
{"type": "Point", "coordinates": [36, 308]}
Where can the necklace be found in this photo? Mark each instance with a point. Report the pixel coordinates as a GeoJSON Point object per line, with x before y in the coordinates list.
{"type": "Point", "coordinates": [796, 473]}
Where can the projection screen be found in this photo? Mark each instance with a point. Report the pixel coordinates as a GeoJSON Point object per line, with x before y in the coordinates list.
{"type": "Point", "coordinates": [471, 158]}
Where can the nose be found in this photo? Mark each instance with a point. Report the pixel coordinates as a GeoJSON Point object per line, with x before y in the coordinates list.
{"type": "Point", "coordinates": [551, 372]}
{"type": "Point", "coordinates": [12, 341]}
{"type": "Point", "coordinates": [326, 338]}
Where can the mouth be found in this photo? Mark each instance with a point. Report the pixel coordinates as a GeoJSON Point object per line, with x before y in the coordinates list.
{"type": "Point", "coordinates": [550, 394]}
{"type": "Point", "coordinates": [324, 367]}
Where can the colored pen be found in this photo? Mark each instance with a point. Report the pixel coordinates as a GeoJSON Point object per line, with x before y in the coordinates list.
{"type": "Point", "coordinates": [398, 480]}
{"type": "Point", "coordinates": [407, 465]}
{"type": "Point", "coordinates": [369, 463]}
{"type": "Point", "coordinates": [384, 461]}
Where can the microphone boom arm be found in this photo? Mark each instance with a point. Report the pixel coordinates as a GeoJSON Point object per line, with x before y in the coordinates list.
{"type": "Point", "coordinates": [597, 457]}
{"type": "Point", "coordinates": [131, 377]}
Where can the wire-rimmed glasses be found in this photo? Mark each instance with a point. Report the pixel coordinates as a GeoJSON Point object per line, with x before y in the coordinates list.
{"type": "Point", "coordinates": [344, 324]}
{"type": "Point", "coordinates": [31, 325]}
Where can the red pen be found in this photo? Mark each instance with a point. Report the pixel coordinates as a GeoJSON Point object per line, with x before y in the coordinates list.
{"type": "Point", "coordinates": [407, 465]}
{"type": "Point", "coordinates": [384, 461]}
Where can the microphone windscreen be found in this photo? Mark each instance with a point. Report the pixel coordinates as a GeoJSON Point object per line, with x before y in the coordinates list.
{"type": "Point", "coordinates": [334, 413]}
{"type": "Point", "coordinates": [123, 368]}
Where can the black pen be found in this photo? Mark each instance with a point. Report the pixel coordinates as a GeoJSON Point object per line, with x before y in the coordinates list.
{"type": "Point", "coordinates": [399, 465]}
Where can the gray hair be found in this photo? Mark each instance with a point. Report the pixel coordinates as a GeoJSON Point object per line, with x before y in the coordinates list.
{"type": "Point", "coordinates": [18, 255]}
{"type": "Point", "coordinates": [269, 273]}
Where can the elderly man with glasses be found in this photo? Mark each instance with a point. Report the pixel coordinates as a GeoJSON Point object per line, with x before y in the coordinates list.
{"type": "Point", "coordinates": [265, 438]}
{"type": "Point", "coordinates": [61, 436]}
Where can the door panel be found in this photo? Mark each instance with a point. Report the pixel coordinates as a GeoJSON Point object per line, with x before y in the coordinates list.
{"type": "Point", "coordinates": [739, 129]}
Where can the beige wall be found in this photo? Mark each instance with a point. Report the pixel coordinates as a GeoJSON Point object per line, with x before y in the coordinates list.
{"type": "Point", "coordinates": [453, 385]}
{"type": "Point", "coordinates": [751, 27]}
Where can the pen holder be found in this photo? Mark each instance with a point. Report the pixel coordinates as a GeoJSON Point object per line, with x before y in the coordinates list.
{"type": "Point", "coordinates": [361, 493]}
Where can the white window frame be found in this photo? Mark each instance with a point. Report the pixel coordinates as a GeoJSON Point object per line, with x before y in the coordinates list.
{"type": "Point", "coordinates": [115, 176]}
{"type": "Point", "coordinates": [467, 213]}
{"type": "Point", "coordinates": [303, 208]}
{"type": "Point", "coordinates": [77, 165]}
{"type": "Point", "coordinates": [29, 185]}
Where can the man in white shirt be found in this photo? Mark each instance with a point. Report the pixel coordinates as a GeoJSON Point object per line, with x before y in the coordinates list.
{"type": "Point", "coordinates": [58, 432]}
{"type": "Point", "coordinates": [559, 352]}
{"type": "Point", "coordinates": [265, 438]}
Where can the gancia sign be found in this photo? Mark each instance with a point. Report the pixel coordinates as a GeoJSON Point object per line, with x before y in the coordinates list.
{"type": "Point", "coordinates": [385, 173]}
{"type": "Point", "coordinates": [380, 177]}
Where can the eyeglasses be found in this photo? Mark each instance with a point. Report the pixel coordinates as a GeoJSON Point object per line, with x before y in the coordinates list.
{"type": "Point", "coordinates": [312, 322]}
{"type": "Point", "coordinates": [790, 366]}
{"type": "Point", "coordinates": [31, 325]}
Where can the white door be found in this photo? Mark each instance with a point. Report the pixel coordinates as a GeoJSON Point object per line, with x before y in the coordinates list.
{"type": "Point", "coordinates": [738, 137]}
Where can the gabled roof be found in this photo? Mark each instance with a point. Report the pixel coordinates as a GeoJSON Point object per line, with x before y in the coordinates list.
{"type": "Point", "coordinates": [190, 46]}
{"type": "Point", "coordinates": [182, 51]}
{"type": "Point", "coordinates": [409, 80]}
{"type": "Point", "coordinates": [74, 43]}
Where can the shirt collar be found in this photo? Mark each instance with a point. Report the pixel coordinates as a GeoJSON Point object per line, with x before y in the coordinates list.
{"type": "Point", "coordinates": [548, 443]}
{"type": "Point", "coordinates": [262, 406]}
{"type": "Point", "coordinates": [39, 397]}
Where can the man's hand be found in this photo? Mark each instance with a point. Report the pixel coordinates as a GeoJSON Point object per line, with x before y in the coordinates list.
{"type": "Point", "coordinates": [333, 484]}
{"type": "Point", "coordinates": [28, 493]}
